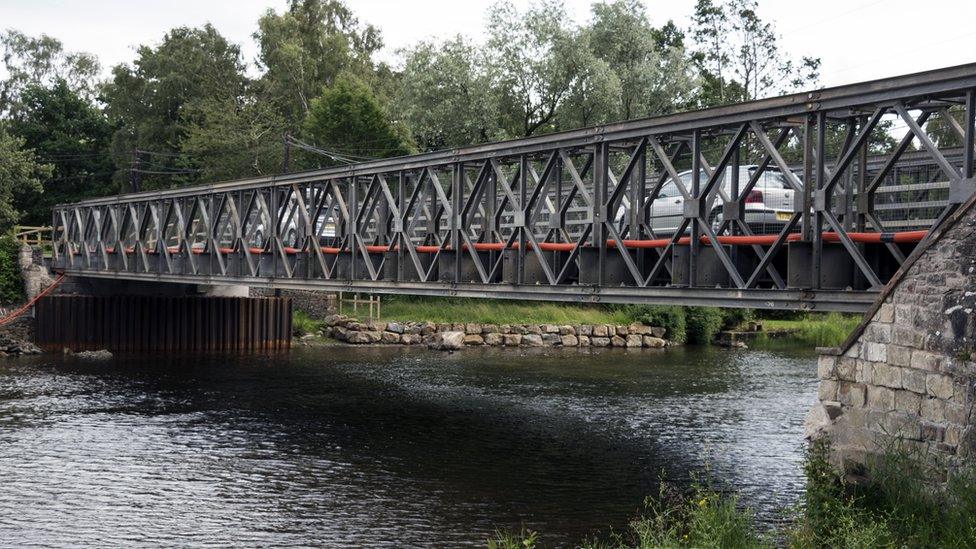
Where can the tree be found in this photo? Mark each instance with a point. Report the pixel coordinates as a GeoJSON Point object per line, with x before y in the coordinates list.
{"type": "Point", "coordinates": [650, 63]}
{"type": "Point", "coordinates": [306, 48]}
{"type": "Point", "coordinates": [446, 96]}
{"type": "Point", "coordinates": [348, 119]}
{"type": "Point", "coordinates": [72, 135]}
{"type": "Point", "coordinates": [739, 57]}
{"type": "Point", "coordinates": [42, 61]}
{"type": "Point", "coordinates": [158, 97]}
{"type": "Point", "coordinates": [529, 55]}
{"type": "Point", "coordinates": [232, 137]}
{"type": "Point", "coordinates": [21, 174]}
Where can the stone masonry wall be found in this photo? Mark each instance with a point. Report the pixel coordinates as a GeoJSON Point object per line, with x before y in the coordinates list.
{"type": "Point", "coordinates": [906, 375]}
{"type": "Point", "coordinates": [316, 304]}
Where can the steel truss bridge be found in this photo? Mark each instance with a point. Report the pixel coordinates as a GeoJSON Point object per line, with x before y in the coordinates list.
{"type": "Point", "coordinates": [568, 216]}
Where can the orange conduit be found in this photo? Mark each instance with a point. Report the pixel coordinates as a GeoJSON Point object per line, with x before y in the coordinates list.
{"type": "Point", "coordinates": [29, 304]}
{"type": "Point", "coordinates": [904, 237]}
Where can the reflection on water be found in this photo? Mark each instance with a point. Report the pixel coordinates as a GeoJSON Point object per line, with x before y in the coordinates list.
{"type": "Point", "coordinates": [383, 446]}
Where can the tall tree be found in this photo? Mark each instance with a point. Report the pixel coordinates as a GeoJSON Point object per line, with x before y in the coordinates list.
{"type": "Point", "coordinates": [155, 99]}
{"type": "Point", "coordinates": [739, 56]}
{"type": "Point", "coordinates": [650, 63]}
{"type": "Point", "coordinates": [306, 48]}
{"type": "Point", "coordinates": [349, 120]}
{"type": "Point", "coordinates": [42, 61]}
{"type": "Point", "coordinates": [21, 174]}
{"type": "Point", "coordinates": [72, 135]}
{"type": "Point", "coordinates": [529, 55]}
{"type": "Point", "coordinates": [446, 97]}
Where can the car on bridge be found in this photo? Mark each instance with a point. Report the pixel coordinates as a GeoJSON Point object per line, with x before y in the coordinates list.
{"type": "Point", "coordinates": [767, 207]}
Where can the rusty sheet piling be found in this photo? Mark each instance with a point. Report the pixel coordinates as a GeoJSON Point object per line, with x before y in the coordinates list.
{"type": "Point", "coordinates": [159, 323]}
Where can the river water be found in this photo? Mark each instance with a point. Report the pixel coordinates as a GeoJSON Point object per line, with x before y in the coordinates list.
{"type": "Point", "coordinates": [393, 447]}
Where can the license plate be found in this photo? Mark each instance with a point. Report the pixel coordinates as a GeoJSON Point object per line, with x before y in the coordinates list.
{"type": "Point", "coordinates": [783, 216]}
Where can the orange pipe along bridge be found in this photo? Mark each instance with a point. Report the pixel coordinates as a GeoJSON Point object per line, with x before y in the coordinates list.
{"type": "Point", "coordinates": [805, 201]}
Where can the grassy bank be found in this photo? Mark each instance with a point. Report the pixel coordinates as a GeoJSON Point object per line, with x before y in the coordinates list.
{"type": "Point", "coordinates": [895, 509]}
{"type": "Point", "coordinates": [696, 325]}
{"type": "Point", "coordinates": [814, 330]}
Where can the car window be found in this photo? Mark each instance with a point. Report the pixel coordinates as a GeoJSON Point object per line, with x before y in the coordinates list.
{"type": "Point", "coordinates": [668, 190]}
{"type": "Point", "coordinates": [774, 180]}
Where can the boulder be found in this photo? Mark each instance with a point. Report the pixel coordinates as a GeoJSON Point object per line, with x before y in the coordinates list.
{"type": "Point", "coordinates": [550, 328]}
{"type": "Point", "coordinates": [93, 355]}
{"type": "Point", "coordinates": [364, 337]}
{"type": "Point", "coordinates": [394, 327]}
{"type": "Point", "coordinates": [518, 329]}
{"type": "Point", "coordinates": [474, 339]}
{"type": "Point", "coordinates": [600, 341]}
{"type": "Point", "coordinates": [494, 339]}
{"type": "Point", "coordinates": [654, 342]}
{"type": "Point", "coordinates": [472, 328]}
{"type": "Point", "coordinates": [600, 330]}
{"type": "Point", "coordinates": [622, 331]}
{"type": "Point", "coordinates": [550, 339]}
{"type": "Point", "coordinates": [640, 329]}
{"type": "Point", "coordinates": [513, 340]}
{"type": "Point", "coordinates": [567, 330]}
{"type": "Point", "coordinates": [376, 325]}
{"type": "Point", "coordinates": [532, 340]}
{"type": "Point", "coordinates": [390, 338]}
{"type": "Point", "coordinates": [584, 330]}
{"type": "Point", "coordinates": [489, 329]}
{"type": "Point", "coordinates": [340, 333]}
{"type": "Point", "coordinates": [533, 329]}
{"type": "Point", "coordinates": [569, 340]}
{"type": "Point", "coordinates": [584, 341]}
{"type": "Point", "coordinates": [657, 331]}
{"type": "Point", "coordinates": [410, 339]}
{"type": "Point", "coordinates": [634, 341]}
{"type": "Point", "coordinates": [447, 341]}
{"type": "Point", "coordinates": [617, 341]}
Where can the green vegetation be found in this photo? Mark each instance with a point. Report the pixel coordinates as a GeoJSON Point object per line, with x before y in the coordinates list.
{"type": "Point", "coordinates": [896, 508]}
{"type": "Point", "coordinates": [490, 311]}
{"type": "Point", "coordinates": [814, 330]}
{"type": "Point", "coordinates": [669, 317]}
{"type": "Point", "coordinates": [11, 282]}
{"type": "Point", "coordinates": [302, 324]}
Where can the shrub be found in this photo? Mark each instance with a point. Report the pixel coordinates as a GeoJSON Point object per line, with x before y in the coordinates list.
{"type": "Point", "coordinates": [669, 317]}
{"type": "Point", "coordinates": [11, 282]}
{"type": "Point", "coordinates": [732, 318]}
{"type": "Point", "coordinates": [702, 324]}
{"type": "Point", "coordinates": [302, 324]}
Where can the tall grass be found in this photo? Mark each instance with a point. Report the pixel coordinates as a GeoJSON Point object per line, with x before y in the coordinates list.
{"type": "Point", "coordinates": [302, 324]}
{"type": "Point", "coordinates": [816, 330]}
{"type": "Point", "coordinates": [492, 311]}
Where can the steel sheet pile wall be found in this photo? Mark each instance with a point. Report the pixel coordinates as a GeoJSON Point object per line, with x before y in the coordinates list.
{"type": "Point", "coordinates": [156, 323]}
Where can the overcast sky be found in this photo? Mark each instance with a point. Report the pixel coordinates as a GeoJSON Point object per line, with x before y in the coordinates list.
{"type": "Point", "coordinates": [856, 39]}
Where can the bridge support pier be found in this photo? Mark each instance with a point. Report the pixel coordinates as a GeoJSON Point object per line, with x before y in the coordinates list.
{"type": "Point", "coordinates": [906, 377]}
{"type": "Point", "coordinates": [134, 316]}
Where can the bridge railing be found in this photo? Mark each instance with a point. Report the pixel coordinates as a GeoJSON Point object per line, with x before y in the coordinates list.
{"type": "Point", "coordinates": [580, 215]}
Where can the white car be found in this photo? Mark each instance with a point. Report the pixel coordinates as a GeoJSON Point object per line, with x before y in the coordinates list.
{"type": "Point", "coordinates": [767, 207]}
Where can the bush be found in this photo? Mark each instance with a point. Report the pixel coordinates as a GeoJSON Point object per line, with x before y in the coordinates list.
{"type": "Point", "coordinates": [702, 324]}
{"type": "Point", "coordinates": [11, 282]}
{"type": "Point", "coordinates": [669, 317]}
{"type": "Point", "coordinates": [733, 318]}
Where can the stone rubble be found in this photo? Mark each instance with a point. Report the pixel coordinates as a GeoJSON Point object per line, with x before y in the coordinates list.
{"type": "Point", "coordinates": [446, 336]}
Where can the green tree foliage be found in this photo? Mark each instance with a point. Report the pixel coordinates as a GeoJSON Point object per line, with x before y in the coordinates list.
{"type": "Point", "coordinates": [446, 96]}
{"type": "Point", "coordinates": [42, 61]}
{"type": "Point", "coordinates": [738, 54]}
{"type": "Point", "coordinates": [306, 48]}
{"type": "Point", "coordinates": [348, 118]}
{"type": "Point", "coordinates": [530, 55]}
{"type": "Point", "coordinates": [72, 135]}
{"type": "Point", "coordinates": [650, 63]}
{"type": "Point", "coordinates": [154, 100]}
{"type": "Point", "coordinates": [11, 281]}
{"type": "Point", "coordinates": [21, 174]}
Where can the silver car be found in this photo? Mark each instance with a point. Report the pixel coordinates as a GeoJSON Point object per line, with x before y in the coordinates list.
{"type": "Point", "coordinates": [767, 207]}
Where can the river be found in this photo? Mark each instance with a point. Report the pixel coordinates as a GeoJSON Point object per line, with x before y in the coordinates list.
{"type": "Point", "coordinates": [395, 447]}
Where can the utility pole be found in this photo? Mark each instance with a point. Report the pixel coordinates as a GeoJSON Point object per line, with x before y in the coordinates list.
{"type": "Point", "coordinates": [135, 178]}
{"type": "Point", "coordinates": [286, 139]}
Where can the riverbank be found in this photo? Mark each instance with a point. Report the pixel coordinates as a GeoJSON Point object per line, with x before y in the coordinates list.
{"type": "Point", "coordinates": [889, 505]}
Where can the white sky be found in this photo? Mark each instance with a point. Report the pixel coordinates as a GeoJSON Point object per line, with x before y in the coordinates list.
{"type": "Point", "coordinates": [856, 39]}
